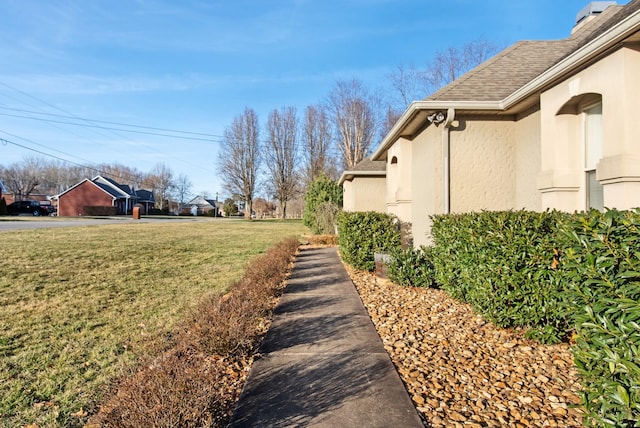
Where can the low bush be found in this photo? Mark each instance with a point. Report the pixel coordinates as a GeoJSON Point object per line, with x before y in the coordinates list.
{"type": "Point", "coordinates": [361, 234]}
{"type": "Point", "coordinates": [601, 273]}
{"type": "Point", "coordinates": [323, 240]}
{"type": "Point", "coordinates": [505, 265]}
{"type": "Point", "coordinates": [99, 211]}
{"type": "Point", "coordinates": [412, 267]}
{"type": "Point", "coordinates": [195, 381]}
{"type": "Point", "coordinates": [3, 206]}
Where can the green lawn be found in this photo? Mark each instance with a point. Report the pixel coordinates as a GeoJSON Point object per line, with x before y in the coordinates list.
{"type": "Point", "coordinates": [79, 304]}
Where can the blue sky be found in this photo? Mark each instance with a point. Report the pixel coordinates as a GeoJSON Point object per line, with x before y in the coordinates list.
{"type": "Point", "coordinates": [192, 65]}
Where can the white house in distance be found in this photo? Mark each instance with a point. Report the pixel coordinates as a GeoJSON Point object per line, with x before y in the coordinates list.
{"type": "Point", "coordinates": [543, 124]}
{"type": "Point", "coordinates": [200, 206]}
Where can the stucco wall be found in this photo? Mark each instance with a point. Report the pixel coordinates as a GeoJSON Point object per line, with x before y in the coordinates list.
{"type": "Point", "coordinates": [528, 162]}
{"type": "Point", "coordinates": [562, 178]}
{"type": "Point", "coordinates": [427, 182]}
{"type": "Point", "coordinates": [399, 187]}
{"type": "Point", "coordinates": [482, 165]}
{"type": "Point", "coordinates": [85, 194]}
{"type": "Point", "coordinates": [364, 194]}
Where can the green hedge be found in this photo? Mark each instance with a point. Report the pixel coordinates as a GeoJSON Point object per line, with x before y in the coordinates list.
{"type": "Point", "coordinates": [412, 267]}
{"type": "Point", "coordinates": [361, 234]}
{"type": "Point", "coordinates": [98, 210]}
{"type": "Point", "coordinates": [601, 271]}
{"type": "Point", "coordinates": [505, 265]}
{"type": "Point", "coordinates": [553, 273]}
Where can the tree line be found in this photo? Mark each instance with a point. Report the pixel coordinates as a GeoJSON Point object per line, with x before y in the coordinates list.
{"type": "Point", "coordinates": [292, 150]}
{"type": "Point", "coordinates": [38, 175]}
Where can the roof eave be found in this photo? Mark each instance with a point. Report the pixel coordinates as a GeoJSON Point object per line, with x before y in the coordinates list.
{"type": "Point", "coordinates": [416, 115]}
{"type": "Point", "coordinates": [597, 46]}
{"type": "Point", "coordinates": [591, 50]}
{"type": "Point", "coordinates": [350, 175]}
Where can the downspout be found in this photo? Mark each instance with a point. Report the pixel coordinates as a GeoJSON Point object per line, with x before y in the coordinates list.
{"type": "Point", "coordinates": [446, 172]}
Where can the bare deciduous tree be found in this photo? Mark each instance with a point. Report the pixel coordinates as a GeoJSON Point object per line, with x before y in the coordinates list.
{"type": "Point", "coordinates": [23, 178]}
{"type": "Point", "coordinates": [353, 110]}
{"type": "Point", "coordinates": [316, 145]}
{"type": "Point", "coordinates": [239, 157]}
{"type": "Point", "coordinates": [281, 154]}
{"type": "Point", "coordinates": [183, 189]}
{"type": "Point", "coordinates": [410, 83]}
{"type": "Point", "coordinates": [160, 181]}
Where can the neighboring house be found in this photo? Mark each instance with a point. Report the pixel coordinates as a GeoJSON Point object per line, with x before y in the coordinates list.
{"type": "Point", "coordinates": [102, 191]}
{"type": "Point", "coordinates": [200, 206]}
{"type": "Point", "coordinates": [364, 186]}
{"type": "Point", "coordinates": [9, 197]}
{"type": "Point", "coordinates": [543, 124]}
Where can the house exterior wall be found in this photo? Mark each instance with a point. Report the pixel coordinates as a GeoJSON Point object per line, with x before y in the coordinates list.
{"type": "Point", "coordinates": [482, 165]}
{"type": "Point", "coordinates": [528, 163]}
{"type": "Point", "coordinates": [364, 194]}
{"type": "Point", "coordinates": [427, 179]}
{"type": "Point", "coordinates": [494, 166]}
{"type": "Point", "coordinates": [72, 202]}
{"type": "Point", "coordinates": [562, 180]}
{"type": "Point", "coordinates": [399, 187]}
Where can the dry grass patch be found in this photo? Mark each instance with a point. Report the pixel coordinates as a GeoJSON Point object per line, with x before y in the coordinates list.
{"type": "Point", "coordinates": [197, 381]}
{"type": "Point", "coordinates": [81, 304]}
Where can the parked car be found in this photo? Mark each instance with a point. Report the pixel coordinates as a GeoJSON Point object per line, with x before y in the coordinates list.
{"type": "Point", "coordinates": [51, 210]}
{"type": "Point", "coordinates": [27, 207]}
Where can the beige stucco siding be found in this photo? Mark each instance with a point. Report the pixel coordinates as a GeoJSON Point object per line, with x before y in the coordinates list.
{"type": "Point", "coordinates": [364, 194]}
{"type": "Point", "coordinates": [427, 180]}
{"type": "Point", "coordinates": [561, 180]}
{"type": "Point", "coordinates": [482, 165]}
{"type": "Point", "coordinates": [528, 163]}
{"type": "Point", "coordinates": [399, 189]}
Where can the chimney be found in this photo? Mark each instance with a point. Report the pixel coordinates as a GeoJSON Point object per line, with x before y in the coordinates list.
{"type": "Point", "coordinates": [590, 11]}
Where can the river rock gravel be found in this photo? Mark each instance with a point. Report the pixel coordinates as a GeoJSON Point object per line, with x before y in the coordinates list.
{"type": "Point", "coordinates": [462, 371]}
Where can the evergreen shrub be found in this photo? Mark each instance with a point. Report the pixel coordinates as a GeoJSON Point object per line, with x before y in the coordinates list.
{"type": "Point", "coordinates": [412, 267]}
{"type": "Point", "coordinates": [322, 191]}
{"type": "Point", "coordinates": [361, 234]}
{"type": "Point", "coordinates": [601, 273]}
{"type": "Point", "coordinates": [505, 264]}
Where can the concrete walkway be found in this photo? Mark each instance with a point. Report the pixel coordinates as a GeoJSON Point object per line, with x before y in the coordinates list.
{"type": "Point", "coordinates": [323, 363]}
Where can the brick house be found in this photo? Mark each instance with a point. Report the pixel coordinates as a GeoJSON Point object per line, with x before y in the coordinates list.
{"type": "Point", "coordinates": [102, 192]}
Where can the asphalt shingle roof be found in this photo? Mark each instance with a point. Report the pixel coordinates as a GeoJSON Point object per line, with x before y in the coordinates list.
{"type": "Point", "coordinates": [369, 165]}
{"type": "Point", "coordinates": [519, 64]}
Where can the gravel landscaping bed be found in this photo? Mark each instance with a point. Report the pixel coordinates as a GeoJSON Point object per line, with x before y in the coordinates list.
{"type": "Point", "coordinates": [462, 371]}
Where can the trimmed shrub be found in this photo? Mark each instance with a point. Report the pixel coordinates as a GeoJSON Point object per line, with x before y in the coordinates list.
{"type": "Point", "coordinates": [3, 206]}
{"type": "Point", "coordinates": [196, 379]}
{"type": "Point", "coordinates": [331, 240]}
{"type": "Point", "coordinates": [412, 267]}
{"type": "Point", "coordinates": [99, 211]}
{"type": "Point", "coordinates": [601, 271]}
{"type": "Point", "coordinates": [505, 265]}
{"type": "Point", "coordinates": [361, 234]}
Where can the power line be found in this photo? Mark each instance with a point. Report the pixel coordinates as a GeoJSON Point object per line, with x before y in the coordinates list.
{"type": "Point", "coordinates": [91, 168]}
{"type": "Point", "coordinates": [110, 128]}
{"type": "Point", "coordinates": [112, 123]}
